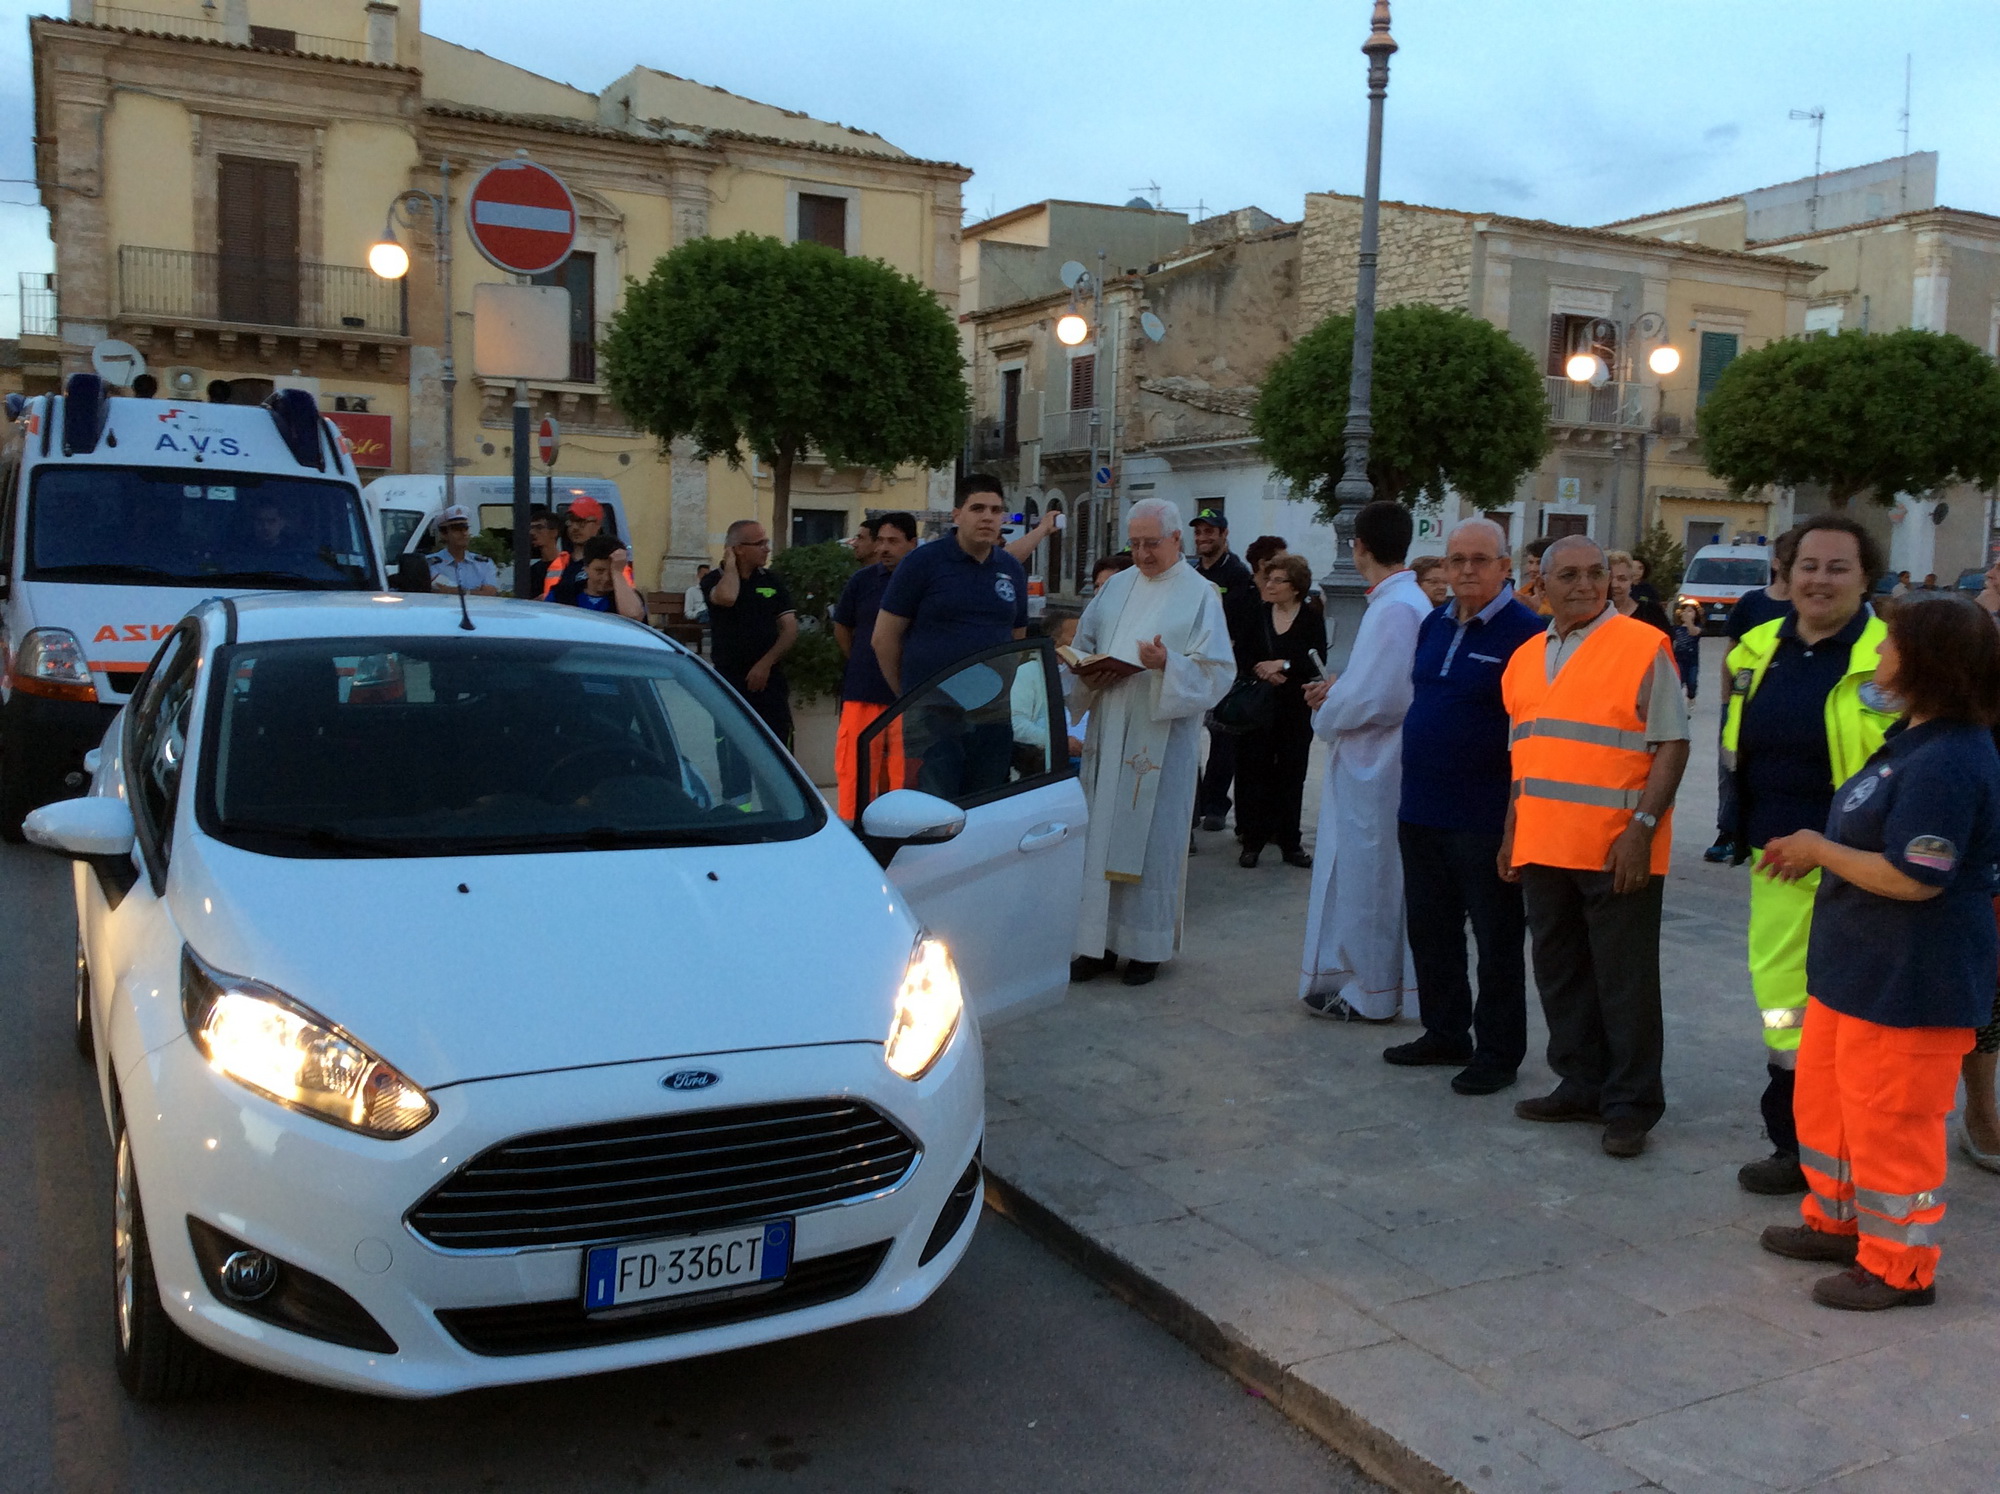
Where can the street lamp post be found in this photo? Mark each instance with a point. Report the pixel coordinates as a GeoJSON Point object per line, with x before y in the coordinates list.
{"type": "Point", "coordinates": [1585, 367]}
{"type": "Point", "coordinates": [1072, 330]}
{"type": "Point", "coordinates": [1354, 489]}
{"type": "Point", "coordinates": [390, 260]}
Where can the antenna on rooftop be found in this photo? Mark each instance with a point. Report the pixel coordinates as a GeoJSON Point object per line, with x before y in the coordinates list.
{"type": "Point", "coordinates": [1817, 117]}
{"type": "Point", "coordinates": [1904, 120]}
{"type": "Point", "coordinates": [1153, 187]}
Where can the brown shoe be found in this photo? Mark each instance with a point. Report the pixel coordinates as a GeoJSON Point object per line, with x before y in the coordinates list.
{"type": "Point", "coordinates": [1624, 1139]}
{"type": "Point", "coordinates": [1801, 1242]}
{"type": "Point", "coordinates": [1858, 1289]}
{"type": "Point", "coordinates": [1556, 1108]}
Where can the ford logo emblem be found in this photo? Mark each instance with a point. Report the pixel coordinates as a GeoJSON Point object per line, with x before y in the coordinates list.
{"type": "Point", "coordinates": [690, 1079]}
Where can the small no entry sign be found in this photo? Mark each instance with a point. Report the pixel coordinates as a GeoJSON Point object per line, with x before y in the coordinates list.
{"type": "Point", "coordinates": [521, 217]}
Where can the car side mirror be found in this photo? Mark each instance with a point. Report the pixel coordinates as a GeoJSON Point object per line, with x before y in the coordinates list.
{"type": "Point", "coordinates": [908, 817]}
{"type": "Point", "coordinates": [84, 829]}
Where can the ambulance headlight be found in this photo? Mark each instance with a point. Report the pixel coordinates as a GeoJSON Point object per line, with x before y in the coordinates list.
{"type": "Point", "coordinates": [50, 663]}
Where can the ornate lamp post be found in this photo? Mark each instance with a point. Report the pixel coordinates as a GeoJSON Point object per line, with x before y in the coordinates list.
{"type": "Point", "coordinates": [1354, 489]}
{"type": "Point", "coordinates": [1586, 368]}
{"type": "Point", "coordinates": [390, 260]}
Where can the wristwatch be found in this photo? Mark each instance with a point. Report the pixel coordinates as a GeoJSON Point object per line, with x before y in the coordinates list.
{"type": "Point", "coordinates": [1650, 821]}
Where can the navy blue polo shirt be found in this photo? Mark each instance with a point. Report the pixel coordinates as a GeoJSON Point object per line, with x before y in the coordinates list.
{"type": "Point", "coordinates": [1456, 773]}
{"type": "Point", "coordinates": [859, 601]}
{"type": "Point", "coordinates": [1752, 608]}
{"type": "Point", "coordinates": [1929, 800]}
{"type": "Point", "coordinates": [955, 605]}
{"type": "Point", "coordinates": [1784, 771]}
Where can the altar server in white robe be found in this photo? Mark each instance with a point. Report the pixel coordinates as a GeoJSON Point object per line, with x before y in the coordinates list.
{"type": "Point", "coordinates": [1357, 956]}
{"type": "Point", "coordinates": [1169, 661]}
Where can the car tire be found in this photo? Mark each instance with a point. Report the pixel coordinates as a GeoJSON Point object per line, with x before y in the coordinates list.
{"type": "Point", "coordinates": [86, 1043]}
{"type": "Point", "coordinates": [156, 1361]}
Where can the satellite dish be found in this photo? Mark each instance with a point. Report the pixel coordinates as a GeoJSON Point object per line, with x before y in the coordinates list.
{"type": "Point", "coordinates": [117, 363]}
{"type": "Point", "coordinates": [1152, 326]}
{"type": "Point", "coordinates": [1071, 272]}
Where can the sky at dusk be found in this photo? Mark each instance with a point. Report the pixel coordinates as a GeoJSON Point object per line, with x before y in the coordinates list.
{"type": "Point", "coordinates": [1581, 113]}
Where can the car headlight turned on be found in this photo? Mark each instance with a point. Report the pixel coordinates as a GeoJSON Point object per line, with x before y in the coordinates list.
{"type": "Point", "coordinates": [265, 1041]}
{"type": "Point", "coordinates": [927, 1010]}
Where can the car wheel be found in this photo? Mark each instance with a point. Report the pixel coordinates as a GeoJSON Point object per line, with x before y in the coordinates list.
{"type": "Point", "coordinates": [156, 1361]}
{"type": "Point", "coordinates": [84, 1041]}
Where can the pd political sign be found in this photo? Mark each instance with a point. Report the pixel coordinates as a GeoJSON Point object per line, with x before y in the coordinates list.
{"type": "Point", "coordinates": [522, 217]}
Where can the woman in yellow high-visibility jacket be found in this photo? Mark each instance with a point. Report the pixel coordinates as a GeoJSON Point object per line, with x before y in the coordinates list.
{"type": "Point", "coordinates": [1802, 717]}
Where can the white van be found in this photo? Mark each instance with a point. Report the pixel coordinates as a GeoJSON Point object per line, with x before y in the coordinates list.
{"type": "Point", "coordinates": [407, 504]}
{"type": "Point", "coordinates": [117, 517]}
{"type": "Point", "coordinates": [1718, 575]}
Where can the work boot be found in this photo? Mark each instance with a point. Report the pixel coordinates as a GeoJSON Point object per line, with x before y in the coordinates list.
{"type": "Point", "coordinates": [1428, 1050]}
{"type": "Point", "coordinates": [1623, 1138]}
{"type": "Point", "coordinates": [1556, 1107]}
{"type": "Point", "coordinates": [1858, 1289]}
{"type": "Point", "coordinates": [1140, 972]}
{"type": "Point", "coordinates": [1801, 1242]}
{"type": "Point", "coordinates": [1775, 1176]}
{"type": "Point", "coordinates": [1089, 967]}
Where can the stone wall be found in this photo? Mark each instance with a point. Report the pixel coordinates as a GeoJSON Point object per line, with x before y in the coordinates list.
{"type": "Point", "coordinates": [1426, 255]}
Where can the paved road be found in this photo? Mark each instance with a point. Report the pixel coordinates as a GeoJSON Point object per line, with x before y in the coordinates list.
{"type": "Point", "coordinates": [1019, 1375]}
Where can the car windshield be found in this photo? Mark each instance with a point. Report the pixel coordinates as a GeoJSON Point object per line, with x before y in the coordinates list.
{"type": "Point", "coordinates": [1715, 571]}
{"type": "Point", "coordinates": [151, 526]}
{"type": "Point", "coordinates": [398, 524]}
{"type": "Point", "coordinates": [447, 746]}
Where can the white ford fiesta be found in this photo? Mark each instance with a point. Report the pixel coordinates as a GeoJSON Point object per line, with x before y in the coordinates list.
{"type": "Point", "coordinates": [483, 996]}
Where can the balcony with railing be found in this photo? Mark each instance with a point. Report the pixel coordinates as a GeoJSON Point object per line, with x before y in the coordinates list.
{"type": "Point", "coordinates": [38, 305]}
{"type": "Point", "coordinates": [207, 28]}
{"type": "Point", "coordinates": [994, 442]}
{"type": "Point", "coordinates": [185, 285]}
{"type": "Point", "coordinates": [1068, 430]}
{"type": "Point", "coordinates": [1617, 406]}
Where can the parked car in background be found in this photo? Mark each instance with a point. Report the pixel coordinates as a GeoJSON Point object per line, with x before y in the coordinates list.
{"type": "Point", "coordinates": [1718, 575]}
{"type": "Point", "coordinates": [1972, 582]}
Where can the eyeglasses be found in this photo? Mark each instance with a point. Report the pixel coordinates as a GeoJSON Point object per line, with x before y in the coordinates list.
{"type": "Point", "coordinates": [1148, 544]}
{"type": "Point", "coordinates": [1469, 562]}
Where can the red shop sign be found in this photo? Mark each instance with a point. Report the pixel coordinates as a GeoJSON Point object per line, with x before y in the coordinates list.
{"type": "Point", "coordinates": [367, 436]}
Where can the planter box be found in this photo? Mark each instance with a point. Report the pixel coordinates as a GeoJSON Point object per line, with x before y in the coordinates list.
{"type": "Point", "coordinates": [814, 728]}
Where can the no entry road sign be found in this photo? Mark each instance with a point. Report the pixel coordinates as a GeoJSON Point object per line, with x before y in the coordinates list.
{"type": "Point", "coordinates": [522, 217]}
{"type": "Point", "coordinates": [548, 440]}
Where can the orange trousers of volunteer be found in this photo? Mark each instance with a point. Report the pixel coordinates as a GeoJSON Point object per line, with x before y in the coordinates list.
{"type": "Point", "coordinates": [1871, 1103]}
{"type": "Point", "coordinates": [887, 772]}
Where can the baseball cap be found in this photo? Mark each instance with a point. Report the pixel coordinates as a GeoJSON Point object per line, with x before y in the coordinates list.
{"type": "Point", "coordinates": [1210, 516]}
{"type": "Point", "coordinates": [586, 508]}
{"type": "Point", "coordinates": [458, 513]}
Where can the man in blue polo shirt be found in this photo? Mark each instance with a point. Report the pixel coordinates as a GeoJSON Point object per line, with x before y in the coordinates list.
{"type": "Point", "coordinates": [950, 599]}
{"type": "Point", "coordinates": [1456, 778]}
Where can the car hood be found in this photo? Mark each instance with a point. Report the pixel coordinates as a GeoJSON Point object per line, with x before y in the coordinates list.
{"type": "Point", "coordinates": [467, 967]}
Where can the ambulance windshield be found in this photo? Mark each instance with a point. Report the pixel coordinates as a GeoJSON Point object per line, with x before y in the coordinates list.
{"type": "Point", "coordinates": [154, 526]}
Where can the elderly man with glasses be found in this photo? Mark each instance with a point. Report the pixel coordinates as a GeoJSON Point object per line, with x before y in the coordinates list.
{"type": "Point", "coordinates": [1453, 810]}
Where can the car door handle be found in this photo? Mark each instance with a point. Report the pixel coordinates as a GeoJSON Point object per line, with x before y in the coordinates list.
{"type": "Point", "coordinates": [1043, 836]}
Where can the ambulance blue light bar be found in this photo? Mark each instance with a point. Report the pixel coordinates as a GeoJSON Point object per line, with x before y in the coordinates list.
{"type": "Point", "coordinates": [296, 414]}
{"type": "Point", "coordinates": [85, 406]}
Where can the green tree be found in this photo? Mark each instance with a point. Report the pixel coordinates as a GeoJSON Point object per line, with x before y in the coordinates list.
{"type": "Point", "coordinates": [752, 347]}
{"type": "Point", "coordinates": [1665, 558]}
{"type": "Point", "coordinates": [1456, 402]}
{"type": "Point", "coordinates": [814, 575]}
{"type": "Point", "coordinates": [1904, 412]}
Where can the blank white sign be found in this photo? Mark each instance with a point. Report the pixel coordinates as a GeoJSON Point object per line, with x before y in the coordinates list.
{"type": "Point", "coordinates": [520, 331]}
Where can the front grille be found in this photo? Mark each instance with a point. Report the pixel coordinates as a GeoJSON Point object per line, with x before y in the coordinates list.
{"type": "Point", "coordinates": [547, 1327]}
{"type": "Point", "coordinates": [666, 1174]}
{"type": "Point", "coordinates": [122, 681]}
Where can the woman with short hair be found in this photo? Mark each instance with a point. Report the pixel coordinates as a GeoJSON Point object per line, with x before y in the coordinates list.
{"type": "Point", "coordinates": [1901, 961]}
{"type": "Point", "coordinates": [1286, 633]}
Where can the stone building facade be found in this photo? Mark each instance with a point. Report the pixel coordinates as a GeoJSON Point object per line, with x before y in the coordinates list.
{"type": "Point", "coordinates": [215, 177]}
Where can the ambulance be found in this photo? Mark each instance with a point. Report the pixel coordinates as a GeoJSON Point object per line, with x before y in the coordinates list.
{"type": "Point", "coordinates": [118, 516]}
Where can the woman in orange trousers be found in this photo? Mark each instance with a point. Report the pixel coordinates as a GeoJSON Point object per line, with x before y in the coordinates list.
{"type": "Point", "coordinates": [1900, 963]}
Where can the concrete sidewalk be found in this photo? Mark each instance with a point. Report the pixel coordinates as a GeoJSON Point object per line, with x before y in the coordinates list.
{"type": "Point", "coordinates": [1454, 1297]}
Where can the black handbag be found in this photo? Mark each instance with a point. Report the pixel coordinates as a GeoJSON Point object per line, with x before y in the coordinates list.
{"type": "Point", "coordinates": [1250, 703]}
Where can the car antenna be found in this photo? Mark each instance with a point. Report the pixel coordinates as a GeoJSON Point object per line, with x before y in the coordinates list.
{"type": "Point", "coordinates": [464, 613]}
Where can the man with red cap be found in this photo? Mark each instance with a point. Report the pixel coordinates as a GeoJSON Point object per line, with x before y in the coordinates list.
{"type": "Point", "coordinates": [566, 576]}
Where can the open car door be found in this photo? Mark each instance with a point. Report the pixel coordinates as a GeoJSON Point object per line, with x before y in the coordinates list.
{"type": "Point", "coordinates": [989, 734]}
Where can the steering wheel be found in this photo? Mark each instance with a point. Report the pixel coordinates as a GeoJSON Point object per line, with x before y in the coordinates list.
{"type": "Point", "coordinates": [615, 755]}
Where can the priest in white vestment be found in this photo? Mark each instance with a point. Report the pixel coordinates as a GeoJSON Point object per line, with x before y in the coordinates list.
{"type": "Point", "coordinates": [1168, 661]}
{"type": "Point", "coordinates": [1357, 955]}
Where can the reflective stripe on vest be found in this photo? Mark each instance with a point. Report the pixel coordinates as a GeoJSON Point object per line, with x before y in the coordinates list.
{"type": "Point", "coordinates": [1579, 748]}
{"type": "Point", "coordinates": [1836, 1168]}
{"type": "Point", "coordinates": [1833, 1208]}
{"type": "Point", "coordinates": [1779, 1018]}
{"type": "Point", "coordinates": [555, 572]}
{"type": "Point", "coordinates": [1898, 1205]}
{"type": "Point", "coordinates": [1902, 1234]}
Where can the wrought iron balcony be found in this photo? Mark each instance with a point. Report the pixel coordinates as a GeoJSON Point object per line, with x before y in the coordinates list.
{"type": "Point", "coordinates": [38, 305]}
{"type": "Point", "coordinates": [1613, 406]}
{"type": "Point", "coordinates": [210, 28]}
{"type": "Point", "coordinates": [184, 285]}
{"type": "Point", "coordinates": [993, 442]}
{"type": "Point", "coordinates": [1069, 430]}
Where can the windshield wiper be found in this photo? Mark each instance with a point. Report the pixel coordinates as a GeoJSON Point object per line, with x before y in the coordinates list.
{"type": "Point", "coordinates": [266, 578]}
{"type": "Point", "coordinates": [322, 836]}
{"type": "Point", "coordinates": [600, 838]}
{"type": "Point", "coordinates": [107, 571]}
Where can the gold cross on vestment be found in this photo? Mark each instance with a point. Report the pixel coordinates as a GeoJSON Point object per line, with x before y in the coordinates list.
{"type": "Point", "coordinates": [1141, 763]}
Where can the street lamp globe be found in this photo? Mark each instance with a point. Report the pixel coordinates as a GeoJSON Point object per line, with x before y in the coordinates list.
{"type": "Point", "coordinates": [1664, 359]}
{"type": "Point", "coordinates": [1582, 367]}
{"type": "Point", "coordinates": [389, 259]}
{"type": "Point", "coordinates": [1071, 329]}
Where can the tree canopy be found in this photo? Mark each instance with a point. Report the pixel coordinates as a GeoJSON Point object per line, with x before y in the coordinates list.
{"type": "Point", "coordinates": [748, 346]}
{"type": "Point", "coordinates": [1902, 412]}
{"type": "Point", "coordinates": [1456, 402]}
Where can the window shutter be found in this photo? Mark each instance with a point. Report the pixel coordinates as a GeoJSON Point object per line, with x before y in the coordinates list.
{"type": "Point", "coordinates": [1558, 343]}
{"type": "Point", "coordinates": [1718, 351]}
{"type": "Point", "coordinates": [823, 220]}
{"type": "Point", "coordinates": [1083, 382]}
{"type": "Point", "coordinates": [1010, 411]}
{"type": "Point", "coordinates": [257, 232]}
